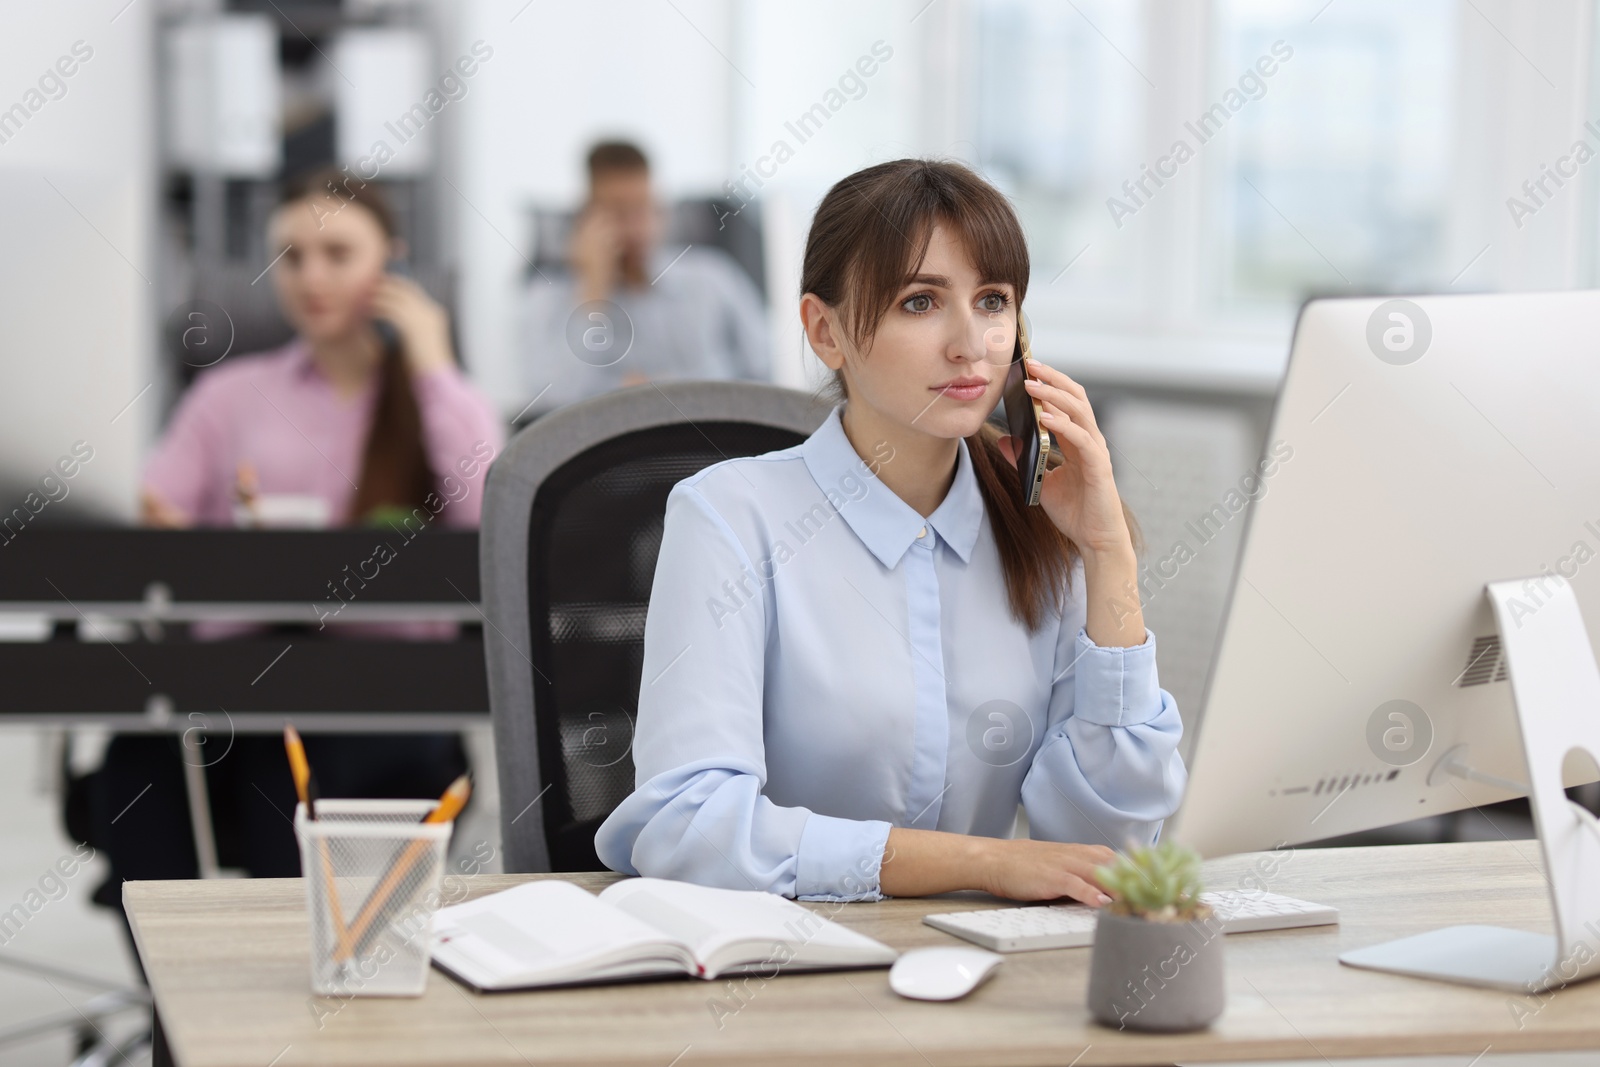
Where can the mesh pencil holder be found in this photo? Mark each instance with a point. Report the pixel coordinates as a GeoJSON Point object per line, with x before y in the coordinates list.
{"type": "Point", "coordinates": [372, 872]}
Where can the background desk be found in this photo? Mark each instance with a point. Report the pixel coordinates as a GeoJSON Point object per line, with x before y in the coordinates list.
{"type": "Point", "coordinates": [101, 580]}
{"type": "Point", "coordinates": [227, 962]}
{"type": "Point", "coordinates": [120, 589]}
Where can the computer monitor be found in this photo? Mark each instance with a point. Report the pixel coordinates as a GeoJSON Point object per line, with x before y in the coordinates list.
{"type": "Point", "coordinates": [1420, 448]}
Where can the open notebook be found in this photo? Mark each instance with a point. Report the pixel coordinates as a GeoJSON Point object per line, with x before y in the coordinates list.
{"type": "Point", "coordinates": [550, 932]}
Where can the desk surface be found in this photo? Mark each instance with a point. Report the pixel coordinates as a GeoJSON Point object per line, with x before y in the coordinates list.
{"type": "Point", "coordinates": [227, 961]}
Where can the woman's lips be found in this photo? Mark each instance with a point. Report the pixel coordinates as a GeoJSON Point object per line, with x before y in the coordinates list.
{"type": "Point", "coordinates": [963, 392]}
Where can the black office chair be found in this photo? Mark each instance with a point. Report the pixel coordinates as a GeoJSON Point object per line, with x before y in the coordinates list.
{"type": "Point", "coordinates": [572, 524]}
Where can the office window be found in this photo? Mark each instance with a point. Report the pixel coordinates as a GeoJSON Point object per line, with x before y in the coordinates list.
{"type": "Point", "coordinates": [1337, 176]}
{"type": "Point", "coordinates": [1059, 111]}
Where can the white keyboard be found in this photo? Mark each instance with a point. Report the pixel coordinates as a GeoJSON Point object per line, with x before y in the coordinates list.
{"type": "Point", "coordinates": [1072, 925]}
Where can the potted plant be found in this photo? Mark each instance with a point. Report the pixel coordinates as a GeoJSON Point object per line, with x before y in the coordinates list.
{"type": "Point", "coordinates": [1157, 958]}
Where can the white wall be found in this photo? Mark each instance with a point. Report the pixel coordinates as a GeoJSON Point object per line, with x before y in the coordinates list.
{"type": "Point", "coordinates": [76, 205]}
{"type": "Point", "coordinates": [1523, 107]}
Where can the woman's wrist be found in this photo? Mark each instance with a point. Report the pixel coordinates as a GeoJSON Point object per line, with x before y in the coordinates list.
{"type": "Point", "coordinates": [1116, 551]}
{"type": "Point", "coordinates": [427, 356]}
{"type": "Point", "coordinates": [919, 863]}
{"type": "Point", "coordinates": [988, 862]}
{"type": "Point", "coordinates": [1115, 618]}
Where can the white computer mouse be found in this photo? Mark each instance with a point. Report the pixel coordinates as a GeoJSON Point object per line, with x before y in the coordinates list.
{"type": "Point", "coordinates": [943, 973]}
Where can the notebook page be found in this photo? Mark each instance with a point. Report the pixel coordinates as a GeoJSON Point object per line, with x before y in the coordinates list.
{"type": "Point", "coordinates": [547, 930]}
{"type": "Point", "coordinates": [722, 926]}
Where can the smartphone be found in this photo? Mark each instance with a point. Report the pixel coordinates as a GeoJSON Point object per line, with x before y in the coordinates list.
{"type": "Point", "coordinates": [1023, 418]}
{"type": "Point", "coordinates": [388, 336]}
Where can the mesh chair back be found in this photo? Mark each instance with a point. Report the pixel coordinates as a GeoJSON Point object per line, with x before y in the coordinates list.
{"type": "Point", "coordinates": [572, 526]}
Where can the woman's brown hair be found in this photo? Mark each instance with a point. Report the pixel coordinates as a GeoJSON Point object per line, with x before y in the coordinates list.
{"type": "Point", "coordinates": [394, 463]}
{"type": "Point", "coordinates": [868, 237]}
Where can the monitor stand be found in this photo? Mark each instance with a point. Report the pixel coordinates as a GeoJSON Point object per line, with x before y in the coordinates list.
{"type": "Point", "coordinates": [1555, 688]}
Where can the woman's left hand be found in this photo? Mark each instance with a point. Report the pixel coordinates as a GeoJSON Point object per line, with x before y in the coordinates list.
{"type": "Point", "coordinates": [1079, 494]}
{"type": "Point", "coordinates": [423, 325]}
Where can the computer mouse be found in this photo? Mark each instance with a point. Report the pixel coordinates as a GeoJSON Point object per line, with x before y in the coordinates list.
{"type": "Point", "coordinates": [946, 972]}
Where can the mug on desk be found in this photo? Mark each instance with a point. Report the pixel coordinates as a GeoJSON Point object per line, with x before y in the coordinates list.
{"type": "Point", "coordinates": [282, 511]}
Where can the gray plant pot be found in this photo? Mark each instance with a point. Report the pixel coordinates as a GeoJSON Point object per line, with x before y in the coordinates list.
{"type": "Point", "coordinates": [1147, 975]}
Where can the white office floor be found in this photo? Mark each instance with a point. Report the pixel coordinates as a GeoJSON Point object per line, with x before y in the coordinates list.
{"type": "Point", "coordinates": [71, 933]}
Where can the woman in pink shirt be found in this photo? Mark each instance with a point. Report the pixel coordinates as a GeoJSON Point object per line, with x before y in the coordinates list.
{"type": "Point", "coordinates": [352, 422]}
{"type": "Point", "coordinates": [336, 414]}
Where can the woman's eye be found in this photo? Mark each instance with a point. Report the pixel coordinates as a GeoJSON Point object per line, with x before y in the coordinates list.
{"type": "Point", "coordinates": [919, 303]}
{"type": "Point", "coordinates": [994, 302]}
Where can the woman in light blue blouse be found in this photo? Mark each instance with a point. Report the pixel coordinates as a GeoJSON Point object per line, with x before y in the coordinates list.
{"type": "Point", "coordinates": [863, 652]}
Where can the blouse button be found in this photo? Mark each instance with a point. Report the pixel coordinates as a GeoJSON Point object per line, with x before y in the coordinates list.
{"type": "Point", "coordinates": [922, 532]}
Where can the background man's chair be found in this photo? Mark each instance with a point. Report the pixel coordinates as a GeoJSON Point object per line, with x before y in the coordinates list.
{"type": "Point", "coordinates": [734, 228]}
{"type": "Point", "coordinates": [572, 524]}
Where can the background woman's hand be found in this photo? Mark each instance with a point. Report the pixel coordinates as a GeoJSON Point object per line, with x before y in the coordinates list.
{"type": "Point", "coordinates": [422, 323]}
{"type": "Point", "coordinates": [155, 511]}
{"type": "Point", "coordinates": [1047, 870]}
{"type": "Point", "coordinates": [1080, 495]}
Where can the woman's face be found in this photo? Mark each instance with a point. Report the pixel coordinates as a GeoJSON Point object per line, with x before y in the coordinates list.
{"type": "Point", "coordinates": [938, 362]}
{"type": "Point", "coordinates": [334, 254]}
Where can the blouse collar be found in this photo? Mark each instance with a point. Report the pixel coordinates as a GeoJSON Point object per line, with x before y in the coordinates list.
{"type": "Point", "coordinates": [301, 365]}
{"type": "Point", "coordinates": [886, 524]}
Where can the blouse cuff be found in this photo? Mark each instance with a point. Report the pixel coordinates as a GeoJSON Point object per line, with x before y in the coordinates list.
{"type": "Point", "coordinates": [1116, 686]}
{"type": "Point", "coordinates": [839, 859]}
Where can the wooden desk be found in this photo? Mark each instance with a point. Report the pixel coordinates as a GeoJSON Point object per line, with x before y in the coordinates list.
{"type": "Point", "coordinates": [227, 961]}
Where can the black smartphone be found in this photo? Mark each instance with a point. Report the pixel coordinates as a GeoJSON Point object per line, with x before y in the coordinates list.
{"type": "Point", "coordinates": [1023, 414]}
{"type": "Point", "coordinates": [388, 336]}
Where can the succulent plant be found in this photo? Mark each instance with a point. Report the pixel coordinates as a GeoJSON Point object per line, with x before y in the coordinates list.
{"type": "Point", "coordinates": [1157, 882]}
{"type": "Point", "coordinates": [387, 515]}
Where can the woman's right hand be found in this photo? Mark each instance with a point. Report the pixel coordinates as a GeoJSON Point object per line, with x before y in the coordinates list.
{"type": "Point", "coordinates": [155, 511]}
{"type": "Point", "coordinates": [1046, 870]}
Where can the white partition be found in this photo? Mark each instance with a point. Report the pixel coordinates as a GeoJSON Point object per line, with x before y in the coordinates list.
{"type": "Point", "coordinates": [77, 200]}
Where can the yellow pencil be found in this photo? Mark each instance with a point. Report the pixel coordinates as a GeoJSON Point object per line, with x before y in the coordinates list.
{"type": "Point", "coordinates": [305, 786]}
{"type": "Point", "coordinates": [364, 925]}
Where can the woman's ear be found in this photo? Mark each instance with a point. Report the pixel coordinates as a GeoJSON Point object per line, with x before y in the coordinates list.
{"type": "Point", "coordinates": [398, 250]}
{"type": "Point", "coordinates": [822, 331]}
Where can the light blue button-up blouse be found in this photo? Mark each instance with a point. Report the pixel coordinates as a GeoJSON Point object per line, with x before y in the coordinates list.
{"type": "Point", "coordinates": [822, 663]}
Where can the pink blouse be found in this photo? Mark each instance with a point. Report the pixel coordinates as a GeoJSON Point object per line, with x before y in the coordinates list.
{"type": "Point", "coordinates": [280, 414]}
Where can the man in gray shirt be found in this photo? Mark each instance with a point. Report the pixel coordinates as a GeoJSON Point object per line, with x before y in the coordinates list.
{"type": "Point", "coordinates": [630, 311]}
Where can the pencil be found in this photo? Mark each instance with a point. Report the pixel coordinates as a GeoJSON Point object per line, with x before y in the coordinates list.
{"type": "Point", "coordinates": [299, 767]}
{"type": "Point", "coordinates": [306, 786]}
{"type": "Point", "coordinates": [369, 920]}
